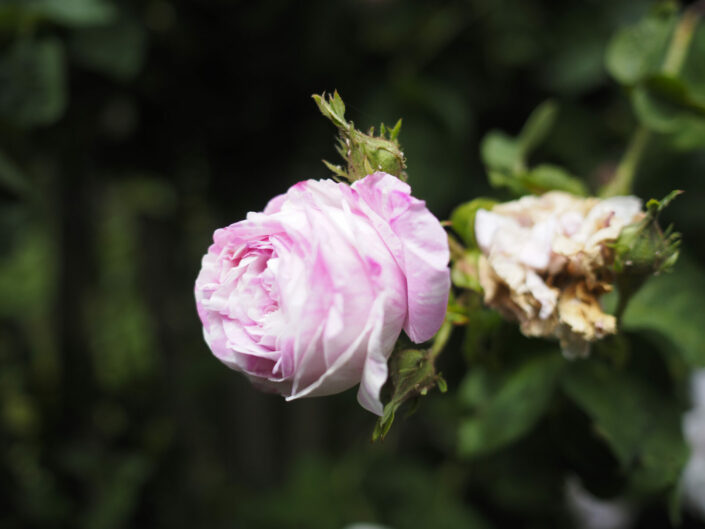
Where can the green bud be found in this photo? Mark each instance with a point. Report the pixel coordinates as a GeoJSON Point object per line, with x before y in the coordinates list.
{"type": "Point", "coordinates": [643, 248]}
{"type": "Point", "coordinates": [363, 153]}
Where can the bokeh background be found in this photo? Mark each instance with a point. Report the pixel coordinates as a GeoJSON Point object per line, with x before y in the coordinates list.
{"type": "Point", "coordinates": [130, 130]}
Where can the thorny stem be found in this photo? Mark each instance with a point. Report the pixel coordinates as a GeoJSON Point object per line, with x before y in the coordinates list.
{"type": "Point", "coordinates": [677, 51]}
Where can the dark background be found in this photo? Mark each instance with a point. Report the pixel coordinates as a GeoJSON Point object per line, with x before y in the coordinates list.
{"type": "Point", "coordinates": [178, 117]}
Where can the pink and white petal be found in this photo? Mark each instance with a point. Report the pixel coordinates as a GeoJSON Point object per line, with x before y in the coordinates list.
{"type": "Point", "coordinates": [426, 255]}
{"type": "Point", "coordinates": [275, 204]}
{"type": "Point", "coordinates": [378, 337]}
{"type": "Point", "coordinates": [418, 243]}
{"type": "Point", "coordinates": [383, 336]}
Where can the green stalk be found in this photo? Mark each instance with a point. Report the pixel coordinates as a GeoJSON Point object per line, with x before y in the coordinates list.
{"type": "Point", "coordinates": [440, 339]}
{"type": "Point", "coordinates": [682, 36]}
{"type": "Point", "coordinates": [623, 179]}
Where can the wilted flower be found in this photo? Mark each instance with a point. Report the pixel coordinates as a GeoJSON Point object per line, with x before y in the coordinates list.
{"type": "Point", "coordinates": [546, 263]}
{"type": "Point", "coordinates": [309, 297]}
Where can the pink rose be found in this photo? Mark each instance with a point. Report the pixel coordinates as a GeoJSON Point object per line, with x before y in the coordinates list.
{"type": "Point", "coordinates": [309, 297]}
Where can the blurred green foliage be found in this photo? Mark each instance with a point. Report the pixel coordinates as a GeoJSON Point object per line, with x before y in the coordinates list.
{"type": "Point", "coordinates": [130, 130]}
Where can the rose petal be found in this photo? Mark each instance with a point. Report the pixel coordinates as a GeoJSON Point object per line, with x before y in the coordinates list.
{"type": "Point", "coordinates": [420, 245]}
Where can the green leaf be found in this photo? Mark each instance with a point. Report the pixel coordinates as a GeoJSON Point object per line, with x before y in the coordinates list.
{"type": "Point", "coordinates": [656, 114]}
{"type": "Point", "coordinates": [671, 304]}
{"type": "Point", "coordinates": [537, 126]}
{"type": "Point", "coordinates": [506, 158]}
{"type": "Point", "coordinates": [75, 13]}
{"type": "Point", "coordinates": [463, 219]}
{"type": "Point", "coordinates": [118, 491]}
{"type": "Point", "coordinates": [546, 177]}
{"type": "Point", "coordinates": [638, 422]}
{"type": "Point", "coordinates": [500, 151]}
{"type": "Point", "coordinates": [690, 135]}
{"type": "Point", "coordinates": [638, 50]}
{"type": "Point", "coordinates": [476, 389]}
{"type": "Point", "coordinates": [481, 335]}
{"type": "Point", "coordinates": [412, 373]}
{"type": "Point", "coordinates": [32, 83]}
{"type": "Point", "coordinates": [663, 103]}
{"type": "Point", "coordinates": [117, 50]}
{"type": "Point", "coordinates": [693, 71]}
{"type": "Point", "coordinates": [28, 275]}
{"type": "Point", "coordinates": [508, 180]}
{"type": "Point", "coordinates": [337, 104]}
{"type": "Point", "coordinates": [677, 91]}
{"type": "Point", "coordinates": [513, 410]}
{"type": "Point", "coordinates": [333, 108]}
{"type": "Point", "coordinates": [539, 180]}
{"type": "Point", "coordinates": [11, 177]}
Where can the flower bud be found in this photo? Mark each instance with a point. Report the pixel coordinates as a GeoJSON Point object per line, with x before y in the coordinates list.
{"type": "Point", "coordinates": [643, 248]}
{"type": "Point", "coordinates": [363, 153]}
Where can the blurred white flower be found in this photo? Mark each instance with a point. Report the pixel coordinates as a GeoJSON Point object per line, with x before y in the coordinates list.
{"type": "Point", "coordinates": [592, 513]}
{"type": "Point", "coordinates": [545, 263]}
{"type": "Point", "coordinates": [694, 429]}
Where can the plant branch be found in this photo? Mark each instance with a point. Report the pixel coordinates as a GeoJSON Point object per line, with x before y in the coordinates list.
{"type": "Point", "coordinates": [682, 36]}
{"type": "Point", "coordinates": [623, 180]}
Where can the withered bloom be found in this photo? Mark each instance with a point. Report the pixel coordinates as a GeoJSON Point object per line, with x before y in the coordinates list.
{"type": "Point", "coordinates": [546, 262]}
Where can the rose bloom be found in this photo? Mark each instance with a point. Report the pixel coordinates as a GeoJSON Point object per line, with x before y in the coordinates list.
{"type": "Point", "coordinates": [309, 297]}
{"type": "Point", "coordinates": [546, 263]}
